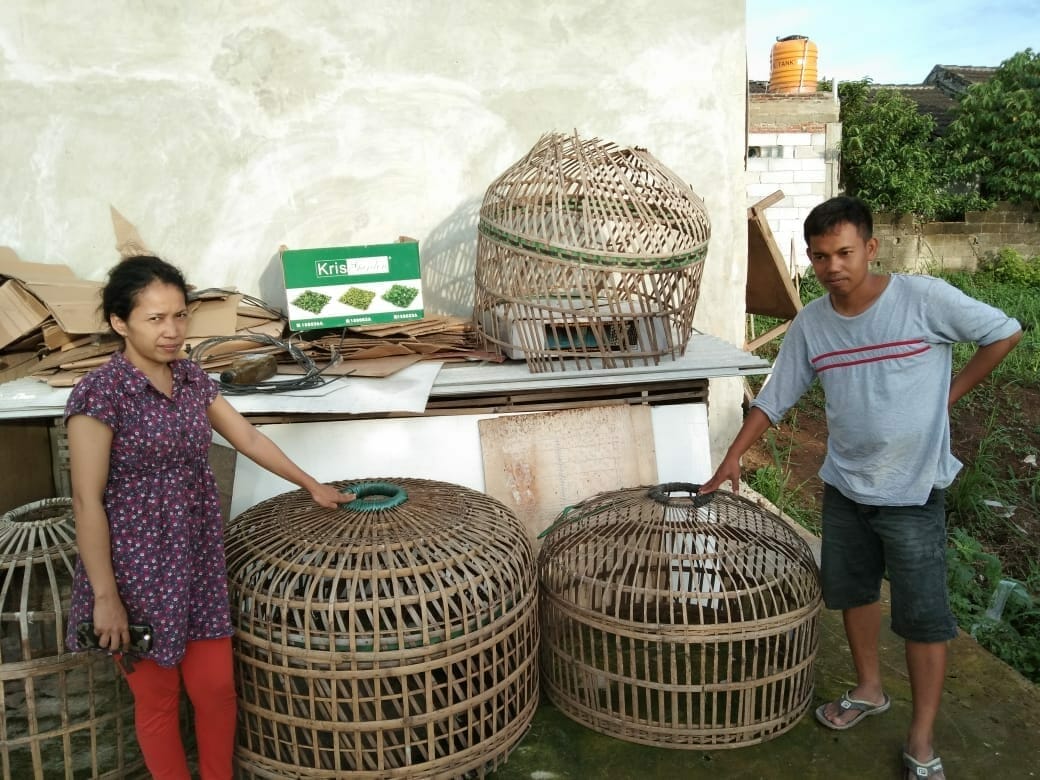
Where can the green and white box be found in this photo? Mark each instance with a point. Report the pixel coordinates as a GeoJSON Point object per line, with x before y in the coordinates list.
{"type": "Point", "coordinates": [352, 285]}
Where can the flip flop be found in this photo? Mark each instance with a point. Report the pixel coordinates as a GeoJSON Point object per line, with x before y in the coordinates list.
{"type": "Point", "coordinates": [846, 703]}
{"type": "Point", "coordinates": [915, 768]}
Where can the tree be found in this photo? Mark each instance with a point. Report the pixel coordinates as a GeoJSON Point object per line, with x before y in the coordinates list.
{"type": "Point", "coordinates": [995, 138]}
{"type": "Point", "coordinates": [889, 156]}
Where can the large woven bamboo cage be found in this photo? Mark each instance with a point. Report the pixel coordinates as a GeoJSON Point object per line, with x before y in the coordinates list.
{"type": "Point", "coordinates": [395, 637]}
{"type": "Point", "coordinates": [65, 714]}
{"type": "Point", "coordinates": [589, 255]}
{"type": "Point", "coordinates": [678, 620]}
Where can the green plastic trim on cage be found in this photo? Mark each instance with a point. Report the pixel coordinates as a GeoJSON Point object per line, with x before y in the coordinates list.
{"type": "Point", "coordinates": [375, 496]}
{"type": "Point", "coordinates": [682, 260]}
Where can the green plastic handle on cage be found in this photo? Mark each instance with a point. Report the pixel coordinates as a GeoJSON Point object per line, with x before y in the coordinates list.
{"type": "Point", "coordinates": [373, 496]}
{"type": "Point", "coordinates": [662, 493]}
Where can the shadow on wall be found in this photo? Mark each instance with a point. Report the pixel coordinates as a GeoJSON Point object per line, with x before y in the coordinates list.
{"type": "Point", "coordinates": [272, 284]}
{"type": "Point", "coordinates": [448, 259]}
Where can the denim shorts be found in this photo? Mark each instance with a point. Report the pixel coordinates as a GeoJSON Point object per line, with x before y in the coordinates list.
{"type": "Point", "coordinates": [861, 543]}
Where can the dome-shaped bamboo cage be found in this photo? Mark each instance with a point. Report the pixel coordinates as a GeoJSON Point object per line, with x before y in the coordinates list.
{"type": "Point", "coordinates": [64, 714]}
{"type": "Point", "coordinates": [589, 255]}
{"type": "Point", "coordinates": [678, 620]}
{"type": "Point", "coordinates": [394, 637]}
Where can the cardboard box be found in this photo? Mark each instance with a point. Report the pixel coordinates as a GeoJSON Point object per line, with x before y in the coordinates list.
{"type": "Point", "coordinates": [352, 285]}
{"type": "Point", "coordinates": [71, 301]}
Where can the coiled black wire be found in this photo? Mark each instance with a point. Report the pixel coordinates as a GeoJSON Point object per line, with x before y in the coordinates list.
{"type": "Point", "coordinates": [312, 376]}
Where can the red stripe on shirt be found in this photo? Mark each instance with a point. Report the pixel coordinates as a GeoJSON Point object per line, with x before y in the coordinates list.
{"type": "Point", "coordinates": [869, 348]}
{"type": "Point", "coordinates": [879, 358]}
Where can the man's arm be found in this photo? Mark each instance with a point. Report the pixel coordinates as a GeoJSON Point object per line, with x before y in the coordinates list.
{"type": "Point", "coordinates": [755, 424]}
{"type": "Point", "coordinates": [980, 366]}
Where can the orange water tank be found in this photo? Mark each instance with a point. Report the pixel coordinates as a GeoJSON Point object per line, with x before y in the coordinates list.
{"type": "Point", "coordinates": [792, 65]}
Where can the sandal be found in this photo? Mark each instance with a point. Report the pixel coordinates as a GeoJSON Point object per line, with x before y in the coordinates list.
{"type": "Point", "coordinates": [846, 703]}
{"type": "Point", "coordinates": [915, 768]}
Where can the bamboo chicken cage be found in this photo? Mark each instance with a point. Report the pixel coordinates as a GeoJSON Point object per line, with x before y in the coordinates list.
{"type": "Point", "coordinates": [64, 715]}
{"type": "Point", "coordinates": [678, 620]}
{"type": "Point", "coordinates": [589, 255]}
{"type": "Point", "coordinates": [394, 637]}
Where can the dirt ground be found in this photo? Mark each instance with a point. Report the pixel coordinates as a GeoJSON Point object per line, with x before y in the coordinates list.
{"type": "Point", "coordinates": [999, 422]}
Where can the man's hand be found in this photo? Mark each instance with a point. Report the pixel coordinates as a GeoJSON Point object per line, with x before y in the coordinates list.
{"type": "Point", "coordinates": [728, 471]}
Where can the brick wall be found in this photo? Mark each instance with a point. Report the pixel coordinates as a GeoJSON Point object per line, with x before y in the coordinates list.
{"type": "Point", "coordinates": [909, 246]}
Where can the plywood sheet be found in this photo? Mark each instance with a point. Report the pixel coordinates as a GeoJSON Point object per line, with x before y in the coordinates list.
{"type": "Point", "coordinates": [538, 464]}
{"type": "Point", "coordinates": [770, 290]}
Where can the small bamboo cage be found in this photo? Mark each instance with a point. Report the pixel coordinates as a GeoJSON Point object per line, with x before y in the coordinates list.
{"type": "Point", "coordinates": [678, 620]}
{"type": "Point", "coordinates": [394, 637]}
{"type": "Point", "coordinates": [589, 255]}
{"type": "Point", "coordinates": [64, 714]}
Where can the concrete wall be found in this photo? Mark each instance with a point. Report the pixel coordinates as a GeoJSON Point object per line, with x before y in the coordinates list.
{"type": "Point", "coordinates": [222, 130]}
{"type": "Point", "coordinates": [909, 246]}
{"type": "Point", "coordinates": [794, 145]}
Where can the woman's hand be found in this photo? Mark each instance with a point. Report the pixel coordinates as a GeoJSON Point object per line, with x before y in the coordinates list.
{"type": "Point", "coordinates": [329, 497]}
{"type": "Point", "coordinates": [110, 624]}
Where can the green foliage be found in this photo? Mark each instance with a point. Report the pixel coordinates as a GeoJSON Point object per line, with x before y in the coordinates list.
{"type": "Point", "coordinates": [995, 138]}
{"type": "Point", "coordinates": [890, 157]}
{"type": "Point", "coordinates": [1009, 267]}
{"type": "Point", "coordinates": [1001, 282]}
{"type": "Point", "coordinates": [773, 482]}
{"type": "Point", "coordinates": [974, 578]}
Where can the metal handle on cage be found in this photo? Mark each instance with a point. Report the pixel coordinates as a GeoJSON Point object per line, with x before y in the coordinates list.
{"type": "Point", "coordinates": [662, 493]}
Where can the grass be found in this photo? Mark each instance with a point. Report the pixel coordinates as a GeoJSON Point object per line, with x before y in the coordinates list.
{"type": "Point", "coordinates": [991, 556]}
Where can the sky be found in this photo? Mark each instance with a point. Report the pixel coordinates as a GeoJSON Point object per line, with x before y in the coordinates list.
{"type": "Point", "coordinates": [893, 41]}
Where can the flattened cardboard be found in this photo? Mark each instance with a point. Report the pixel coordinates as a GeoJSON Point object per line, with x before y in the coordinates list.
{"type": "Point", "coordinates": [213, 316]}
{"type": "Point", "coordinates": [128, 240]}
{"type": "Point", "coordinates": [20, 312]}
{"type": "Point", "coordinates": [73, 302]}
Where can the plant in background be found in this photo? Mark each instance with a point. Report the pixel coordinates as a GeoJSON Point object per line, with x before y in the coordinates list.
{"type": "Point", "coordinates": [890, 157]}
{"type": "Point", "coordinates": [1009, 267]}
{"type": "Point", "coordinates": [1000, 613]}
{"type": "Point", "coordinates": [773, 482]}
{"type": "Point", "coordinates": [995, 138]}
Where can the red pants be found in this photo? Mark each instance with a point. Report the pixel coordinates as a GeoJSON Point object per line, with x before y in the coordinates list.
{"type": "Point", "coordinates": [208, 674]}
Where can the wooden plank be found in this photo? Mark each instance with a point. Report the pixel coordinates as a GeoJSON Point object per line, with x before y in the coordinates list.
{"type": "Point", "coordinates": [768, 336]}
{"type": "Point", "coordinates": [539, 464]}
{"type": "Point", "coordinates": [770, 290]}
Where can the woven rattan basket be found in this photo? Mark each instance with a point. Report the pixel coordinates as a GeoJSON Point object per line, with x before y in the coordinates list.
{"type": "Point", "coordinates": [395, 637]}
{"type": "Point", "coordinates": [676, 620]}
{"type": "Point", "coordinates": [64, 714]}
{"type": "Point", "coordinates": [589, 255]}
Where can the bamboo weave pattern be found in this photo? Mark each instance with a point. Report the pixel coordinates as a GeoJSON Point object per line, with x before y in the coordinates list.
{"type": "Point", "coordinates": [679, 621]}
{"type": "Point", "coordinates": [395, 637]}
{"type": "Point", "coordinates": [588, 254]}
{"type": "Point", "coordinates": [64, 714]}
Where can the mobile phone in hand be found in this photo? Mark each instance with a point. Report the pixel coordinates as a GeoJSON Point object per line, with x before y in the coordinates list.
{"type": "Point", "coordinates": [140, 637]}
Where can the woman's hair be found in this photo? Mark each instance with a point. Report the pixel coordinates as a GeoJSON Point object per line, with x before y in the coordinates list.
{"type": "Point", "coordinates": [129, 277]}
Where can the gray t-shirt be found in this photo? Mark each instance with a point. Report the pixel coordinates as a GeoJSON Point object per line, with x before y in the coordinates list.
{"type": "Point", "coordinates": [886, 375]}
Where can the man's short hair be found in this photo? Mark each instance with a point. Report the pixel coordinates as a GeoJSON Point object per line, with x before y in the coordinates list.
{"type": "Point", "coordinates": [828, 215]}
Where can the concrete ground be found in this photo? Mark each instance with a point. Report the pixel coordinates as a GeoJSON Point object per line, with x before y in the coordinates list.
{"type": "Point", "coordinates": [988, 727]}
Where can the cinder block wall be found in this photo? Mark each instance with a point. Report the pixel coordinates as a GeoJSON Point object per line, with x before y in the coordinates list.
{"type": "Point", "coordinates": [920, 247]}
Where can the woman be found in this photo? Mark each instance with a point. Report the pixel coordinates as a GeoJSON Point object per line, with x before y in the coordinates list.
{"type": "Point", "coordinates": [148, 522]}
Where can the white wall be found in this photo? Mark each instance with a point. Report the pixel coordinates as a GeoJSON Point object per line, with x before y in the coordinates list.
{"type": "Point", "coordinates": [224, 129]}
{"type": "Point", "coordinates": [803, 171]}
